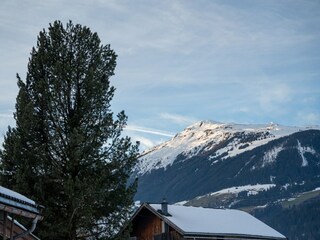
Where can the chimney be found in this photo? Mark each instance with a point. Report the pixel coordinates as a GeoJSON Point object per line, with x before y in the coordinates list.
{"type": "Point", "coordinates": [164, 207]}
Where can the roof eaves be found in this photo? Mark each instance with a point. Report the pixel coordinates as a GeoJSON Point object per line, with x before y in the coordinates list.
{"type": "Point", "coordinates": [18, 206]}
{"type": "Point", "coordinates": [232, 235]}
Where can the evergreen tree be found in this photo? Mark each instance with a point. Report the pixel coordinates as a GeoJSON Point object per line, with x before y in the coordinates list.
{"type": "Point", "coordinates": [66, 151]}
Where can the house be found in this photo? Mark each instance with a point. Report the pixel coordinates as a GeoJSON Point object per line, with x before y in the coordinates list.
{"type": "Point", "coordinates": [174, 222]}
{"type": "Point", "coordinates": [13, 204]}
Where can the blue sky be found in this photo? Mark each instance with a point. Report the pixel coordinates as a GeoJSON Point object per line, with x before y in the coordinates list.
{"type": "Point", "coordinates": [244, 61]}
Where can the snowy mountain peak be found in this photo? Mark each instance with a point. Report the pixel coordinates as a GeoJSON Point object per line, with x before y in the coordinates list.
{"type": "Point", "coordinates": [221, 140]}
{"type": "Point", "coordinates": [204, 124]}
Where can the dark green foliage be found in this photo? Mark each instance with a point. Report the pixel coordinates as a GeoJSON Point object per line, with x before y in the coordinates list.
{"type": "Point", "coordinates": [66, 151]}
{"type": "Point", "coordinates": [299, 222]}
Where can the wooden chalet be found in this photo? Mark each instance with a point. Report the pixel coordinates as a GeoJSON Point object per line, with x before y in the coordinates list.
{"type": "Point", "coordinates": [13, 204]}
{"type": "Point", "coordinates": [174, 222]}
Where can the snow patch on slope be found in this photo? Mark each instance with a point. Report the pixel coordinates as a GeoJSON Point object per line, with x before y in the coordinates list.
{"type": "Point", "coordinates": [302, 151]}
{"type": "Point", "coordinates": [251, 189]}
{"type": "Point", "coordinates": [271, 155]}
{"type": "Point", "coordinates": [235, 147]}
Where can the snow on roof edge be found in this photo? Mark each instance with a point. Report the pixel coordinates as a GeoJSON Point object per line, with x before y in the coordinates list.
{"type": "Point", "coordinates": [16, 200]}
{"type": "Point", "coordinates": [179, 219]}
{"type": "Point", "coordinates": [16, 195]}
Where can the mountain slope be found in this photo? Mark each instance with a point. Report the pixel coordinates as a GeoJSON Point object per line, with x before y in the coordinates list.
{"type": "Point", "coordinates": [208, 157]}
{"type": "Point", "coordinates": [268, 170]}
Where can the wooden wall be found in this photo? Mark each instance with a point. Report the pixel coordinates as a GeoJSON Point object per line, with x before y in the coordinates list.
{"type": "Point", "coordinates": [145, 225]}
{"type": "Point", "coordinates": [15, 231]}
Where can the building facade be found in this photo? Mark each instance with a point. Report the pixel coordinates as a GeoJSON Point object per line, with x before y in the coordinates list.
{"type": "Point", "coordinates": [12, 205]}
{"type": "Point", "coordinates": [174, 222]}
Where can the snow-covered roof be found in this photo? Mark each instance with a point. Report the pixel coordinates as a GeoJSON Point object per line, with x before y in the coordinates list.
{"type": "Point", "coordinates": [208, 221]}
{"type": "Point", "coordinates": [17, 200]}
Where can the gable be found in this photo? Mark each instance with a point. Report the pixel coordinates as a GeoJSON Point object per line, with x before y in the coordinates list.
{"type": "Point", "coordinates": [146, 224]}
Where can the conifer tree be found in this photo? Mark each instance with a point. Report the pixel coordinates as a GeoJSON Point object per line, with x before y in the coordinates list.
{"type": "Point", "coordinates": [66, 151]}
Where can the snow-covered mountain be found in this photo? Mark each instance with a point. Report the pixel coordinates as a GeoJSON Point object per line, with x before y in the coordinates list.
{"type": "Point", "coordinates": [227, 140]}
{"type": "Point", "coordinates": [270, 170]}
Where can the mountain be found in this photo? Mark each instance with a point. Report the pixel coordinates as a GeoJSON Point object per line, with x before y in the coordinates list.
{"type": "Point", "coordinates": [272, 171]}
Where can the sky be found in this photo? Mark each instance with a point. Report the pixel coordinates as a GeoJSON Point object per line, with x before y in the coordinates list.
{"type": "Point", "coordinates": [179, 62]}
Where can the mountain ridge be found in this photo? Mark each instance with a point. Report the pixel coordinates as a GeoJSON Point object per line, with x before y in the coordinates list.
{"type": "Point", "coordinates": [193, 139]}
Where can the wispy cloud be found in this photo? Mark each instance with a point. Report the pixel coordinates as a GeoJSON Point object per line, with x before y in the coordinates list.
{"type": "Point", "coordinates": [148, 130]}
{"type": "Point", "coordinates": [147, 137]}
